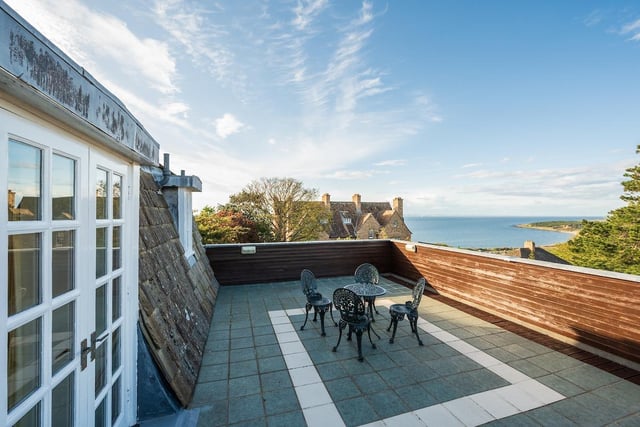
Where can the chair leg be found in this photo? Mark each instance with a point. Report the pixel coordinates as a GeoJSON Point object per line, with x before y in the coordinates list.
{"type": "Point", "coordinates": [342, 325]}
{"type": "Point", "coordinates": [413, 321]}
{"type": "Point", "coordinates": [394, 321]}
{"type": "Point", "coordinates": [331, 313]}
{"type": "Point", "coordinates": [307, 307]}
{"type": "Point", "coordinates": [369, 329]}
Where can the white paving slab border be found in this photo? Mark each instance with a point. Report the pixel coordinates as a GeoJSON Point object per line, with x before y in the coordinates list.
{"type": "Point", "coordinates": [523, 394]}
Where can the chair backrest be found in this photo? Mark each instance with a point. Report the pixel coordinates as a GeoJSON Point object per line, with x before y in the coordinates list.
{"type": "Point", "coordinates": [367, 273]}
{"type": "Point", "coordinates": [308, 282]}
{"type": "Point", "coordinates": [418, 290]}
{"type": "Point", "coordinates": [349, 304]}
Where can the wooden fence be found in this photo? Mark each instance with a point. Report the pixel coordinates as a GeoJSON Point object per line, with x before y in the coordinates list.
{"type": "Point", "coordinates": [594, 309]}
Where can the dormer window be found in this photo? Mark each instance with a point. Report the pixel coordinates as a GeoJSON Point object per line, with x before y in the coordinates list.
{"type": "Point", "coordinates": [346, 219]}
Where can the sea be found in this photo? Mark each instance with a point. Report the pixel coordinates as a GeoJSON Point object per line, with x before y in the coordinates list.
{"type": "Point", "coordinates": [485, 231]}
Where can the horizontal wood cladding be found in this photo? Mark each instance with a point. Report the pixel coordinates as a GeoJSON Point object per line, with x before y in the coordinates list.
{"type": "Point", "coordinates": [598, 309]}
{"type": "Point", "coordinates": [284, 261]}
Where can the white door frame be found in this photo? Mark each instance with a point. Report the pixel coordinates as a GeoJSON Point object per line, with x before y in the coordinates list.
{"type": "Point", "coordinates": [23, 126]}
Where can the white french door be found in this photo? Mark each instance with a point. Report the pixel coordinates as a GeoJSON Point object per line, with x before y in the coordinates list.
{"type": "Point", "coordinates": [108, 179]}
{"type": "Point", "coordinates": [64, 279]}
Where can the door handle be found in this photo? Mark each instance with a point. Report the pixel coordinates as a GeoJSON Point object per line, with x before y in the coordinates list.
{"type": "Point", "coordinates": [85, 349]}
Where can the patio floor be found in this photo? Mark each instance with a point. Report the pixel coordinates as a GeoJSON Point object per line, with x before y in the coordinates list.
{"type": "Point", "coordinates": [259, 369]}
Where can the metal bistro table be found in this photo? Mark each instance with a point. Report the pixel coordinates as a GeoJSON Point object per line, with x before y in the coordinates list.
{"type": "Point", "coordinates": [368, 292]}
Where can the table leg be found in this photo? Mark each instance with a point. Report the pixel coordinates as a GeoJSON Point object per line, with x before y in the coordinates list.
{"type": "Point", "coordinates": [322, 313]}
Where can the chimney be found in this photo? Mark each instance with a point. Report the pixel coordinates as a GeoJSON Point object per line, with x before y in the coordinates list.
{"type": "Point", "coordinates": [397, 206]}
{"type": "Point", "coordinates": [12, 199]}
{"type": "Point", "coordinates": [356, 201]}
{"type": "Point", "coordinates": [326, 199]}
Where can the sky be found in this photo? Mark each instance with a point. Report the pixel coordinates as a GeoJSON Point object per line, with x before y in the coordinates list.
{"type": "Point", "coordinates": [460, 107]}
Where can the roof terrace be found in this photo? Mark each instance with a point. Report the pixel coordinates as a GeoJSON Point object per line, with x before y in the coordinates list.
{"type": "Point", "coordinates": [505, 342]}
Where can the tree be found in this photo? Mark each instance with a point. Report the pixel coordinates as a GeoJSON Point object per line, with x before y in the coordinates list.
{"type": "Point", "coordinates": [225, 225]}
{"type": "Point", "coordinates": [286, 206]}
{"type": "Point", "coordinates": [613, 244]}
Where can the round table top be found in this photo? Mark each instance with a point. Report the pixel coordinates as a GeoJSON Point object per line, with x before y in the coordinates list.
{"type": "Point", "coordinates": [367, 289]}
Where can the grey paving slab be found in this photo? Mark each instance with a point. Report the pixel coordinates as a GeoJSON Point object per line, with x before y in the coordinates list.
{"type": "Point", "coordinates": [245, 380]}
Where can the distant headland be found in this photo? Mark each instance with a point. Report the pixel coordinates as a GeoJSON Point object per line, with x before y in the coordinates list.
{"type": "Point", "coordinates": [572, 227]}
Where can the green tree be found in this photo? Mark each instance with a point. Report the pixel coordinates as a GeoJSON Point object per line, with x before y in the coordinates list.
{"type": "Point", "coordinates": [286, 206]}
{"type": "Point", "coordinates": [225, 225]}
{"type": "Point", "coordinates": [613, 244]}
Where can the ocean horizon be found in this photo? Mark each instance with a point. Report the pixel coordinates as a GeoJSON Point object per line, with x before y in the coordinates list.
{"type": "Point", "coordinates": [478, 232]}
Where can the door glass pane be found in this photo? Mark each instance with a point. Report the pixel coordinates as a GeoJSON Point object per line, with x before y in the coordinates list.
{"type": "Point", "coordinates": [116, 190]}
{"type": "Point", "coordinates": [23, 364]}
{"type": "Point", "coordinates": [25, 182]}
{"type": "Point", "coordinates": [31, 418]}
{"type": "Point", "coordinates": [116, 299]}
{"type": "Point", "coordinates": [101, 310]}
{"type": "Point", "coordinates": [115, 350]}
{"type": "Point", "coordinates": [116, 257]}
{"type": "Point", "coordinates": [115, 401]}
{"type": "Point", "coordinates": [62, 335]}
{"type": "Point", "coordinates": [100, 420]}
{"type": "Point", "coordinates": [101, 367]}
{"type": "Point", "coordinates": [101, 194]}
{"type": "Point", "coordinates": [63, 180]}
{"type": "Point", "coordinates": [24, 272]}
{"type": "Point", "coordinates": [62, 403]}
{"type": "Point", "coordinates": [101, 252]}
{"type": "Point", "coordinates": [62, 262]}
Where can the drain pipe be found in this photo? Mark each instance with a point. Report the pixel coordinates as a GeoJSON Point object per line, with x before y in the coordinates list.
{"type": "Point", "coordinates": [166, 170]}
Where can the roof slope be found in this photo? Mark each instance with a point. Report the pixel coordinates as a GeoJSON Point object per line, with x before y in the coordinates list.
{"type": "Point", "coordinates": [175, 300]}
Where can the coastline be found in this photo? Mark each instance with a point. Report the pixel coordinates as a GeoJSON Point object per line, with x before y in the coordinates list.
{"type": "Point", "coordinates": [559, 230]}
{"type": "Point", "coordinates": [491, 232]}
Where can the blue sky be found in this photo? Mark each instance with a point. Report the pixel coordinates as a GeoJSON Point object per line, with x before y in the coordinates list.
{"type": "Point", "coordinates": [458, 107]}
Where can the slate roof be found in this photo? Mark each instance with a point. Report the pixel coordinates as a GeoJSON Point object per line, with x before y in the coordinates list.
{"type": "Point", "coordinates": [175, 299]}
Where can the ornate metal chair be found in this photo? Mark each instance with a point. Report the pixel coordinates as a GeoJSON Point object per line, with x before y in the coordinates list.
{"type": "Point", "coordinates": [352, 314]}
{"type": "Point", "coordinates": [368, 273]}
{"type": "Point", "coordinates": [315, 300]}
{"type": "Point", "coordinates": [409, 309]}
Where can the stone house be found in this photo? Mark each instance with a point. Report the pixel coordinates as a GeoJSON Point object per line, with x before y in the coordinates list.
{"type": "Point", "coordinates": [366, 220]}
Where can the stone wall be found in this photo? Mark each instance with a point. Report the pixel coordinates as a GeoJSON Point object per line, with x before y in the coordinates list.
{"type": "Point", "coordinates": [175, 300]}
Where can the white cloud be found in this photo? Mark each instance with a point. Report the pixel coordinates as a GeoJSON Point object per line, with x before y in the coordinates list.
{"type": "Point", "coordinates": [88, 37]}
{"type": "Point", "coordinates": [208, 44]}
{"type": "Point", "coordinates": [227, 125]}
{"type": "Point", "coordinates": [366, 13]}
{"type": "Point", "coordinates": [633, 28]}
{"type": "Point", "coordinates": [593, 18]}
{"type": "Point", "coordinates": [344, 174]}
{"type": "Point", "coordinates": [306, 11]}
{"type": "Point", "coordinates": [395, 162]}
